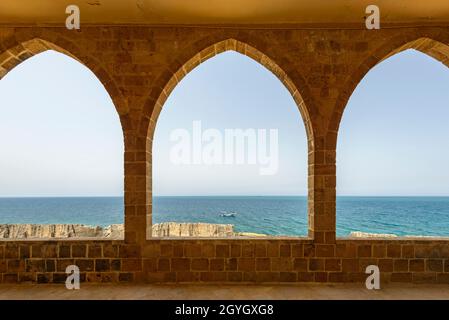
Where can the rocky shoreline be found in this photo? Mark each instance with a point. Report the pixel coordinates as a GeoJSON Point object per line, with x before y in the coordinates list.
{"type": "Point", "coordinates": [116, 231]}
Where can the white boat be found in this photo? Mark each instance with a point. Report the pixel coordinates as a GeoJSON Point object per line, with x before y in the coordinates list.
{"type": "Point", "coordinates": [226, 214]}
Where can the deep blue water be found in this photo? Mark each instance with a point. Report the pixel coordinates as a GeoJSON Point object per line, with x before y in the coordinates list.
{"type": "Point", "coordinates": [427, 216]}
{"type": "Point", "coordinates": [270, 215]}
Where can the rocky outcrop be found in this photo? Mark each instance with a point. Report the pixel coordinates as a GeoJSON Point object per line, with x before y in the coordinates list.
{"type": "Point", "coordinates": [116, 231]}
{"type": "Point", "coordinates": [175, 229]}
{"type": "Point", "coordinates": [22, 231]}
{"type": "Point", "coordinates": [250, 234]}
{"type": "Point", "coordinates": [359, 234]}
{"type": "Point", "coordinates": [113, 231]}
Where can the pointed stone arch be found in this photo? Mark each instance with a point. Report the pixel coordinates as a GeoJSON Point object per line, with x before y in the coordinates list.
{"type": "Point", "coordinates": [429, 45]}
{"type": "Point", "coordinates": [14, 52]}
{"type": "Point", "coordinates": [18, 48]}
{"type": "Point", "coordinates": [215, 49]}
{"type": "Point", "coordinates": [154, 105]}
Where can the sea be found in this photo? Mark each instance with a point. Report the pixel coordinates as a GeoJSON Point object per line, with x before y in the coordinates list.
{"type": "Point", "coordinates": [273, 215]}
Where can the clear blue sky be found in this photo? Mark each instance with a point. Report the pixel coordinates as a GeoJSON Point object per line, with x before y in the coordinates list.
{"type": "Point", "coordinates": [226, 92]}
{"type": "Point", "coordinates": [60, 134]}
{"type": "Point", "coordinates": [394, 136]}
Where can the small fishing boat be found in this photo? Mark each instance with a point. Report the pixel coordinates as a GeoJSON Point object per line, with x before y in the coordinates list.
{"type": "Point", "coordinates": [228, 214]}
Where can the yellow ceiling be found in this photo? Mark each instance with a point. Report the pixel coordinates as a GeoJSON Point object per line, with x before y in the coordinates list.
{"type": "Point", "coordinates": [223, 11]}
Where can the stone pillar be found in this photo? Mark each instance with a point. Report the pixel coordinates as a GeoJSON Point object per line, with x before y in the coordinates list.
{"type": "Point", "coordinates": [322, 190]}
{"type": "Point", "coordinates": [137, 194]}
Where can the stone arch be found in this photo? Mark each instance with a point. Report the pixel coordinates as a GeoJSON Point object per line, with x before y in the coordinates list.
{"type": "Point", "coordinates": [14, 52]}
{"type": "Point", "coordinates": [156, 105]}
{"type": "Point", "coordinates": [155, 102]}
{"type": "Point", "coordinates": [436, 47]}
{"type": "Point", "coordinates": [22, 45]}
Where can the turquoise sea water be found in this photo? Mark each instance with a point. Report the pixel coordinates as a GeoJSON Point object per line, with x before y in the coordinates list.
{"type": "Point", "coordinates": [84, 210]}
{"type": "Point", "coordinates": [270, 215]}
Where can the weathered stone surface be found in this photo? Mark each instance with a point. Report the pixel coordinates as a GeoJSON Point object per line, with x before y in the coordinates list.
{"type": "Point", "coordinates": [174, 229]}
{"type": "Point", "coordinates": [114, 231]}
{"type": "Point", "coordinates": [359, 234]}
{"type": "Point", "coordinates": [24, 231]}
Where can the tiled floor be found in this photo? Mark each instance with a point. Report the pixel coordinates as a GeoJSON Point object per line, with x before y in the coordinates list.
{"type": "Point", "coordinates": [225, 292]}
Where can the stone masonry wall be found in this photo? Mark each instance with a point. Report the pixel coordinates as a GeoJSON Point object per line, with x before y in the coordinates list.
{"type": "Point", "coordinates": [139, 66]}
{"type": "Point", "coordinates": [189, 260]}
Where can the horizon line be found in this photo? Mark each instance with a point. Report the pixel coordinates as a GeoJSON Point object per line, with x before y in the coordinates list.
{"type": "Point", "coordinates": [216, 195]}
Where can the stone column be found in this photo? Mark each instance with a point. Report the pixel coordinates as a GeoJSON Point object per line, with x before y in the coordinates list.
{"type": "Point", "coordinates": [137, 188]}
{"type": "Point", "coordinates": [322, 189]}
